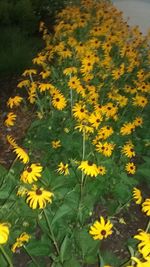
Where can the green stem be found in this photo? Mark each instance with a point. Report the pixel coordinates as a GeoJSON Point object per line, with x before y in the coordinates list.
{"type": "Point", "coordinates": [51, 232]}
{"type": "Point", "coordinates": [6, 256]}
{"type": "Point", "coordinates": [71, 100]}
{"type": "Point", "coordinates": [83, 156]}
{"type": "Point", "coordinates": [147, 227]}
{"type": "Point", "coordinates": [34, 261]}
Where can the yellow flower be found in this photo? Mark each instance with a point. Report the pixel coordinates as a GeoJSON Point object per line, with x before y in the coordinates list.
{"type": "Point", "coordinates": [24, 83]}
{"type": "Point", "coordinates": [70, 70]}
{"type": "Point", "coordinates": [74, 82]}
{"type": "Point", "coordinates": [63, 168]}
{"type": "Point", "coordinates": [140, 263]}
{"type": "Point", "coordinates": [140, 101]}
{"type": "Point", "coordinates": [95, 119]}
{"type": "Point", "coordinates": [127, 128]}
{"type": "Point", "coordinates": [130, 168]}
{"type": "Point", "coordinates": [79, 111]}
{"type": "Point", "coordinates": [23, 238]}
{"type": "Point", "coordinates": [105, 148]}
{"type": "Point", "coordinates": [10, 120]}
{"type": "Point", "coordinates": [4, 233]}
{"type": "Point", "coordinates": [56, 144]}
{"type": "Point", "coordinates": [101, 229]}
{"type": "Point", "coordinates": [29, 72]}
{"type": "Point", "coordinates": [59, 101]}
{"type": "Point", "coordinates": [137, 195]}
{"type": "Point", "coordinates": [84, 127]}
{"type": "Point", "coordinates": [146, 206]}
{"type": "Point", "coordinates": [128, 150]}
{"type": "Point", "coordinates": [38, 198]}
{"type": "Point", "coordinates": [14, 101]}
{"type": "Point", "coordinates": [11, 140]}
{"type": "Point", "coordinates": [105, 132]}
{"type": "Point", "coordinates": [89, 168]}
{"type": "Point", "coordinates": [22, 191]}
{"type": "Point", "coordinates": [31, 173]}
{"type": "Point", "coordinates": [21, 154]}
{"type": "Point", "coordinates": [102, 170]}
{"type": "Point", "coordinates": [144, 245]}
{"type": "Point", "coordinates": [44, 87]}
{"type": "Point", "coordinates": [45, 74]}
{"type": "Point", "coordinates": [138, 121]}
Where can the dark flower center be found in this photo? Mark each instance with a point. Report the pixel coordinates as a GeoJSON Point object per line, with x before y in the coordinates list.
{"type": "Point", "coordinates": [82, 110]}
{"type": "Point", "coordinates": [57, 99]}
{"type": "Point", "coordinates": [103, 232]}
{"type": "Point", "coordinates": [90, 163]}
{"type": "Point", "coordinates": [131, 150]}
{"type": "Point", "coordinates": [38, 192]}
{"type": "Point", "coordinates": [29, 169]}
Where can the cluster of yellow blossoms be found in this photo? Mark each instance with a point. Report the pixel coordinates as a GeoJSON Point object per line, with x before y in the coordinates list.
{"type": "Point", "coordinates": [93, 72]}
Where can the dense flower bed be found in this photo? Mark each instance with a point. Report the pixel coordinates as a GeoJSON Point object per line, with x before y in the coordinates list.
{"type": "Point", "coordinates": [88, 144]}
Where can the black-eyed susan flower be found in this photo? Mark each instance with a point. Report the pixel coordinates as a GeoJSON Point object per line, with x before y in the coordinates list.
{"type": "Point", "coordinates": [56, 144]}
{"type": "Point", "coordinates": [144, 245]}
{"type": "Point", "coordinates": [89, 168]}
{"type": "Point", "coordinates": [137, 195]}
{"type": "Point", "coordinates": [74, 82]}
{"type": "Point", "coordinates": [105, 148]}
{"type": "Point", "coordinates": [139, 263]}
{"type": "Point", "coordinates": [63, 168]}
{"type": "Point", "coordinates": [32, 173]}
{"type": "Point", "coordinates": [101, 229]}
{"type": "Point", "coordinates": [140, 101]}
{"type": "Point", "coordinates": [130, 168]}
{"type": "Point", "coordinates": [4, 233]}
{"type": "Point", "coordinates": [20, 241]}
{"type": "Point", "coordinates": [59, 101]}
{"type": "Point", "coordinates": [104, 132]}
{"type": "Point", "coordinates": [95, 119]}
{"type": "Point", "coordinates": [84, 127]}
{"type": "Point", "coordinates": [37, 198]}
{"type": "Point", "coordinates": [11, 140]}
{"type": "Point", "coordinates": [10, 119]}
{"type": "Point", "coordinates": [138, 121]}
{"type": "Point", "coordinates": [146, 206]}
{"type": "Point", "coordinates": [14, 101]}
{"type": "Point", "coordinates": [22, 191]}
{"type": "Point", "coordinates": [29, 72]}
{"type": "Point", "coordinates": [79, 111]}
{"type": "Point", "coordinates": [127, 128]}
{"type": "Point", "coordinates": [102, 170]}
{"type": "Point", "coordinates": [24, 83]}
{"type": "Point", "coordinates": [128, 150]}
{"type": "Point", "coordinates": [70, 70]}
{"type": "Point", "coordinates": [21, 154]}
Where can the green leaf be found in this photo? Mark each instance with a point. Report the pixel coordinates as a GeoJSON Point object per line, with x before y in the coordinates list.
{"type": "Point", "coordinates": [39, 248]}
{"type": "Point", "coordinates": [87, 246]}
{"type": "Point", "coordinates": [61, 212]}
{"type": "Point", "coordinates": [71, 263]}
{"type": "Point", "coordinates": [65, 249]}
{"type": "Point", "coordinates": [3, 171]}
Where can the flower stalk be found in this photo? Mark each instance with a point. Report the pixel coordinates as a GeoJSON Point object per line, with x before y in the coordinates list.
{"type": "Point", "coordinates": [51, 232]}
{"type": "Point", "coordinates": [6, 256]}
